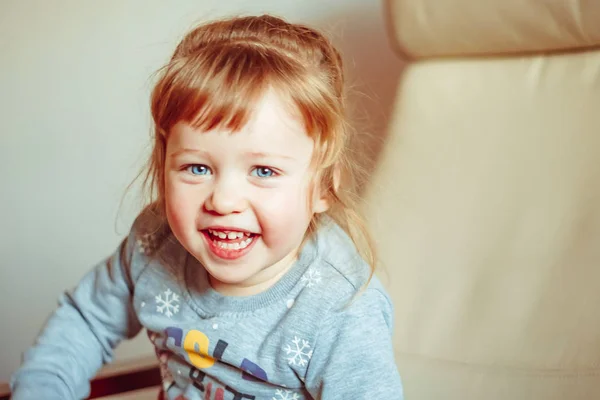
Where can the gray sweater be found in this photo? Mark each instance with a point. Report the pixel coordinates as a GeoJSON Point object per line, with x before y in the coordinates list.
{"type": "Point", "coordinates": [310, 336]}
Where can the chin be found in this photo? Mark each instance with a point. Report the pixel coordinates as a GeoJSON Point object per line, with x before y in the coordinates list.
{"type": "Point", "coordinates": [229, 278]}
{"type": "Point", "coordinates": [240, 282]}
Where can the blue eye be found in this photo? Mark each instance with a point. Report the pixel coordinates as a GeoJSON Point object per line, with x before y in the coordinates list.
{"type": "Point", "coordinates": [263, 172]}
{"type": "Point", "coordinates": [198, 169]}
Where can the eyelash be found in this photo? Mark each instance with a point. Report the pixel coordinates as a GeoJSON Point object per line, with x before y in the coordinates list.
{"type": "Point", "coordinates": [190, 167]}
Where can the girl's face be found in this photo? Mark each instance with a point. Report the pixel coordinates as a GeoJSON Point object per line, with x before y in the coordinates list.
{"type": "Point", "coordinates": [239, 202]}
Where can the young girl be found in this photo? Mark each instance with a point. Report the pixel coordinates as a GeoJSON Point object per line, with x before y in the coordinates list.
{"type": "Point", "coordinates": [251, 270]}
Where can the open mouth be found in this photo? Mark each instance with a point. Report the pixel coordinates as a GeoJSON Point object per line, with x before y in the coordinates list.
{"type": "Point", "coordinates": [230, 240]}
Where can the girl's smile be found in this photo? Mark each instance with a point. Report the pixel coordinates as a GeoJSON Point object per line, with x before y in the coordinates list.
{"type": "Point", "coordinates": [229, 244]}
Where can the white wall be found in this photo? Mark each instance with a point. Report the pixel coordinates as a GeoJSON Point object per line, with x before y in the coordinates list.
{"type": "Point", "coordinates": [75, 77]}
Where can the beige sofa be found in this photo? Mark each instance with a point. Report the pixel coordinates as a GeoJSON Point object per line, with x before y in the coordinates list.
{"type": "Point", "coordinates": [486, 199]}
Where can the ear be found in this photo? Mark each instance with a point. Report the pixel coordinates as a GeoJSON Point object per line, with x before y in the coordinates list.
{"type": "Point", "coordinates": [322, 197]}
{"type": "Point", "coordinates": [320, 203]}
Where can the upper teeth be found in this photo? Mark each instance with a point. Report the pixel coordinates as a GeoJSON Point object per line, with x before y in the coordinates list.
{"type": "Point", "coordinates": [228, 234]}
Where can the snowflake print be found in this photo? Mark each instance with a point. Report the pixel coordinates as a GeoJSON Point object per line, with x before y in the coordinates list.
{"type": "Point", "coordinates": [298, 353]}
{"type": "Point", "coordinates": [147, 243]}
{"type": "Point", "coordinates": [167, 305]}
{"type": "Point", "coordinates": [311, 277]}
{"type": "Point", "coordinates": [285, 395]}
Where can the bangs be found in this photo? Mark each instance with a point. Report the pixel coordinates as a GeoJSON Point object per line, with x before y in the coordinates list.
{"type": "Point", "coordinates": [218, 86]}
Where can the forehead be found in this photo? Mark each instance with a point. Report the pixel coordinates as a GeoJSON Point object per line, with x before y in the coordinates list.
{"type": "Point", "coordinates": [273, 127]}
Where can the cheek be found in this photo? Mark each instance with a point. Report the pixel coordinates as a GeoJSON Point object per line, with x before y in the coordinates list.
{"type": "Point", "coordinates": [181, 206]}
{"type": "Point", "coordinates": [284, 216]}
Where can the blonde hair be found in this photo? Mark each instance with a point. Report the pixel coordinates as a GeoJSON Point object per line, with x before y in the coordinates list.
{"type": "Point", "coordinates": [221, 69]}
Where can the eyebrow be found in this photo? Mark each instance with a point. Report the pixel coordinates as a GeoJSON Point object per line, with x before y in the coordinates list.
{"type": "Point", "coordinates": [253, 154]}
{"type": "Point", "coordinates": [260, 154]}
{"type": "Point", "coordinates": [188, 151]}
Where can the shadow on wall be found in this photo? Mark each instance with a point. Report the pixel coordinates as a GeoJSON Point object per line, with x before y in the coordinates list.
{"type": "Point", "coordinates": [373, 72]}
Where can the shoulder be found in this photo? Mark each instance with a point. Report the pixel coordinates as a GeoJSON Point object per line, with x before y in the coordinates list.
{"type": "Point", "coordinates": [339, 281]}
{"type": "Point", "coordinates": [150, 240]}
{"type": "Point", "coordinates": [148, 230]}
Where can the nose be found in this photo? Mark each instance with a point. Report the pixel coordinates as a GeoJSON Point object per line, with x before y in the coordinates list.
{"type": "Point", "coordinates": [227, 197]}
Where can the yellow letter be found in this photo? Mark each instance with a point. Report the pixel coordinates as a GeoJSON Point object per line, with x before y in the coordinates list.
{"type": "Point", "coordinates": [199, 358]}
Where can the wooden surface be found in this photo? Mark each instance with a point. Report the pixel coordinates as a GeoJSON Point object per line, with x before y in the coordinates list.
{"type": "Point", "coordinates": [142, 394]}
{"type": "Point", "coordinates": [127, 367]}
{"type": "Point", "coordinates": [116, 370]}
{"type": "Point", "coordinates": [4, 390]}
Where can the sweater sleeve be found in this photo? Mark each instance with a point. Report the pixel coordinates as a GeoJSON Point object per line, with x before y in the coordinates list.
{"type": "Point", "coordinates": [353, 357]}
{"type": "Point", "coordinates": [80, 335]}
